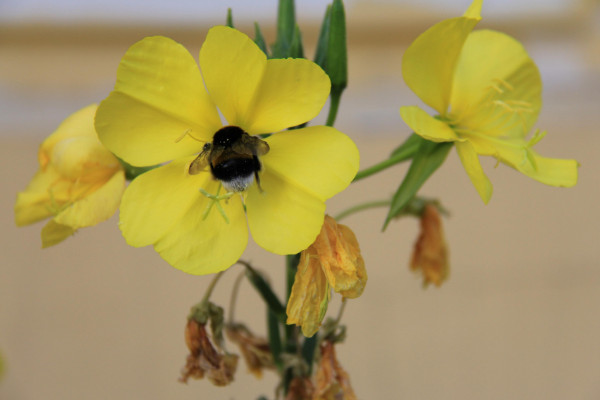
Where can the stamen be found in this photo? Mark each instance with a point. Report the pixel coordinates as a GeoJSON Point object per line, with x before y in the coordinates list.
{"type": "Point", "coordinates": [188, 133]}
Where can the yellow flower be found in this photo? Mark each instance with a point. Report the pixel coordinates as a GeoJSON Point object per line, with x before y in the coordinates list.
{"type": "Point", "coordinates": [487, 91]}
{"type": "Point", "coordinates": [333, 261]}
{"type": "Point", "coordinates": [161, 111]}
{"type": "Point", "coordinates": [79, 182]}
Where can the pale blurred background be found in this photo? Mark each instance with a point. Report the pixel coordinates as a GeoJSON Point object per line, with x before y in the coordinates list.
{"type": "Point", "coordinates": [519, 318]}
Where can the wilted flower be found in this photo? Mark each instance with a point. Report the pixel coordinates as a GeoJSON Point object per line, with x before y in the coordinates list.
{"type": "Point", "coordinates": [333, 261]}
{"type": "Point", "coordinates": [301, 388]}
{"type": "Point", "coordinates": [79, 183]}
{"type": "Point", "coordinates": [160, 111]}
{"type": "Point", "coordinates": [205, 359]}
{"type": "Point", "coordinates": [332, 382]}
{"type": "Point", "coordinates": [430, 254]}
{"type": "Point", "coordinates": [255, 350]}
{"type": "Point", "coordinates": [487, 91]}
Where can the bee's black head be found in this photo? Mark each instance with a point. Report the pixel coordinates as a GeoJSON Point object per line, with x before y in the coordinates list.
{"type": "Point", "coordinates": [228, 135]}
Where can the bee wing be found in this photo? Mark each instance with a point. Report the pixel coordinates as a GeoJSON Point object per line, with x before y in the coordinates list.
{"type": "Point", "coordinates": [198, 164]}
{"type": "Point", "coordinates": [251, 145]}
{"type": "Point", "coordinates": [201, 161]}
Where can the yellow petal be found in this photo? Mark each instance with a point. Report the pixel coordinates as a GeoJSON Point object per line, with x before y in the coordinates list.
{"type": "Point", "coordinates": [292, 92]}
{"type": "Point", "coordinates": [319, 160]}
{"type": "Point", "coordinates": [83, 158]}
{"type": "Point", "coordinates": [78, 124]}
{"type": "Point", "coordinates": [309, 296]}
{"type": "Point", "coordinates": [34, 203]}
{"type": "Point", "coordinates": [198, 245]}
{"type": "Point", "coordinates": [157, 199]}
{"type": "Point", "coordinates": [470, 162]}
{"type": "Point", "coordinates": [426, 126]}
{"type": "Point", "coordinates": [232, 66]}
{"type": "Point", "coordinates": [54, 233]}
{"type": "Point", "coordinates": [429, 63]}
{"type": "Point", "coordinates": [359, 274]}
{"type": "Point", "coordinates": [159, 98]}
{"type": "Point", "coordinates": [284, 218]}
{"type": "Point", "coordinates": [96, 207]}
{"type": "Point", "coordinates": [497, 87]}
{"type": "Point", "coordinates": [550, 171]}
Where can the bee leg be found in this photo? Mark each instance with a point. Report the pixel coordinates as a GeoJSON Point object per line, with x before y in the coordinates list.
{"type": "Point", "coordinates": [258, 181]}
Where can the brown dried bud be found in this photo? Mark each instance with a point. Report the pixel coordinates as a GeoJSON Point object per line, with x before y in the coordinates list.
{"type": "Point", "coordinates": [205, 359]}
{"type": "Point", "coordinates": [255, 351]}
{"type": "Point", "coordinates": [332, 381]}
{"type": "Point", "coordinates": [300, 389]}
{"type": "Point", "coordinates": [430, 254]}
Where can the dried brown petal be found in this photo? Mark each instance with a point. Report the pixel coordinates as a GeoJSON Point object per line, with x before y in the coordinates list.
{"type": "Point", "coordinates": [300, 389]}
{"type": "Point", "coordinates": [255, 350]}
{"type": "Point", "coordinates": [332, 381]}
{"type": "Point", "coordinates": [430, 255]}
{"type": "Point", "coordinates": [205, 359]}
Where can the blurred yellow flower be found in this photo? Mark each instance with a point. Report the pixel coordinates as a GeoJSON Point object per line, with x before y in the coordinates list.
{"type": "Point", "coordinates": [333, 261]}
{"type": "Point", "coordinates": [487, 91]}
{"type": "Point", "coordinates": [79, 182]}
{"type": "Point", "coordinates": [160, 110]}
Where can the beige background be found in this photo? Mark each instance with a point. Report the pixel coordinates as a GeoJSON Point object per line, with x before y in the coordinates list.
{"type": "Point", "coordinates": [519, 318]}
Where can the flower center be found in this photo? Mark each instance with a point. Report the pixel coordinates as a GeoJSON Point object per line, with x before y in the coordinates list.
{"type": "Point", "coordinates": [500, 110]}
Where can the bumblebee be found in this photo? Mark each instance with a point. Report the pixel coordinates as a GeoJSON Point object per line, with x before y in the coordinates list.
{"type": "Point", "coordinates": [233, 158]}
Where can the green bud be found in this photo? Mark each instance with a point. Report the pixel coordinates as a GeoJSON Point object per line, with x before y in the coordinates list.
{"type": "Point", "coordinates": [296, 49]}
{"type": "Point", "coordinates": [323, 42]}
{"type": "Point", "coordinates": [337, 54]}
{"type": "Point", "coordinates": [259, 39]}
{"type": "Point", "coordinates": [286, 23]}
{"type": "Point", "coordinates": [229, 22]}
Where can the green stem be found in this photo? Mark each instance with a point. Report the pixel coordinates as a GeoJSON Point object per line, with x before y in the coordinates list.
{"type": "Point", "coordinates": [211, 287]}
{"type": "Point", "coordinates": [233, 298]}
{"type": "Point", "coordinates": [336, 96]}
{"type": "Point", "coordinates": [360, 207]}
{"type": "Point", "coordinates": [390, 162]}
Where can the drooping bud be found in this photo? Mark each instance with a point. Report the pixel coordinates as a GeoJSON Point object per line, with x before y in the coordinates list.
{"type": "Point", "coordinates": [255, 350]}
{"type": "Point", "coordinates": [430, 254]}
{"type": "Point", "coordinates": [206, 360]}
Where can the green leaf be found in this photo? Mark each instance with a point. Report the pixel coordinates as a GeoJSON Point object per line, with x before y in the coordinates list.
{"type": "Point", "coordinates": [259, 39]}
{"type": "Point", "coordinates": [308, 351]}
{"type": "Point", "coordinates": [409, 147]}
{"type": "Point", "coordinates": [274, 338]}
{"type": "Point", "coordinates": [267, 294]}
{"type": "Point", "coordinates": [428, 159]}
{"type": "Point", "coordinates": [323, 42]}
